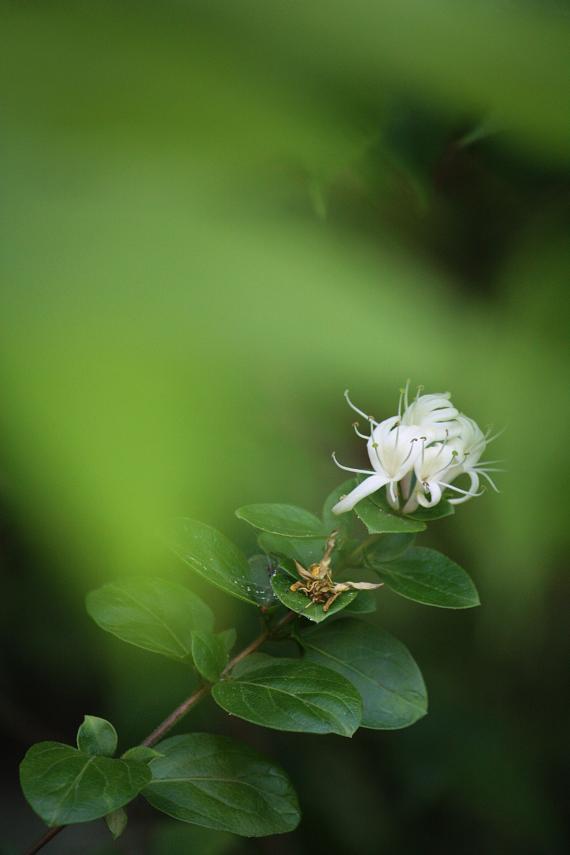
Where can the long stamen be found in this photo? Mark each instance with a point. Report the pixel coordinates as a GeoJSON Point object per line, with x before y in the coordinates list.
{"type": "Point", "coordinates": [375, 447]}
{"type": "Point", "coordinates": [415, 439]}
{"type": "Point", "coordinates": [357, 432]}
{"type": "Point", "coordinates": [357, 410]}
{"type": "Point", "coordinates": [443, 468]}
{"type": "Point", "coordinates": [457, 490]}
{"type": "Point", "coordinates": [490, 439]}
{"type": "Point", "coordinates": [489, 479]}
{"type": "Point", "coordinates": [349, 469]}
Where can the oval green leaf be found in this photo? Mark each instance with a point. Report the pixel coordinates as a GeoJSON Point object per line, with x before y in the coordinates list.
{"type": "Point", "coordinates": [380, 521]}
{"type": "Point", "coordinates": [65, 786]}
{"type": "Point", "coordinates": [306, 550]}
{"type": "Point", "coordinates": [387, 547]}
{"type": "Point", "coordinates": [426, 576]}
{"type": "Point", "coordinates": [140, 753]}
{"type": "Point", "coordinates": [150, 613]}
{"type": "Point", "coordinates": [218, 783]}
{"type": "Point", "coordinates": [97, 736]}
{"type": "Point", "coordinates": [364, 604]}
{"type": "Point", "coordinates": [300, 603]}
{"type": "Point", "coordinates": [379, 667]}
{"type": "Point", "coordinates": [210, 654]}
{"type": "Point", "coordinates": [292, 695]}
{"type": "Point", "coordinates": [229, 638]}
{"type": "Point", "coordinates": [117, 822]}
{"type": "Point", "coordinates": [261, 568]}
{"type": "Point", "coordinates": [286, 520]}
{"type": "Point", "coordinates": [213, 556]}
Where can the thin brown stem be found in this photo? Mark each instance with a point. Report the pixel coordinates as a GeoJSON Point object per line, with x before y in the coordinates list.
{"type": "Point", "coordinates": [257, 642]}
{"type": "Point", "coordinates": [176, 715]}
{"type": "Point", "coordinates": [45, 838]}
{"type": "Point", "coordinates": [251, 648]}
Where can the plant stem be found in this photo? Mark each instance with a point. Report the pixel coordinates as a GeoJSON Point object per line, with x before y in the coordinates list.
{"type": "Point", "coordinates": [45, 838]}
{"type": "Point", "coordinates": [176, 715]}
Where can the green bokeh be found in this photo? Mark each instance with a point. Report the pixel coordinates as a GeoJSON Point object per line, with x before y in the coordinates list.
{"type": "Point", "coordinates": [215, 218]}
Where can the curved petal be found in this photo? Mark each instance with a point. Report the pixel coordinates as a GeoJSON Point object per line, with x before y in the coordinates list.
{"type": "Point", "coordinates": [368, 486]}
{"type": "Point", "coordinates": [473, 487]}
{"type": "Point", "coordinates": [435, 494]}
{"type": "Point", "coordinates": [392, 495]}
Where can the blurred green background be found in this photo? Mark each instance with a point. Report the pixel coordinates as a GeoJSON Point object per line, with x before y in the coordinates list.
{"type": "Point", "coordinates": [215, 218]}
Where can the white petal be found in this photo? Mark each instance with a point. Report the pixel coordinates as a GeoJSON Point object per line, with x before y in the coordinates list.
{"type": "Point", "coordinates": [368, 486]}
{"type": "Point", "coordinates": [474, 486]}
{"type": "Point", "coordinates": [364, 586]}
{"type": "Point", "coordinates": [435, 493]}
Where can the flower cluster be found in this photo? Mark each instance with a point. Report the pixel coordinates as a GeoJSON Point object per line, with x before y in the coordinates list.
{"type": "Point", "coordinates": [419, 453]}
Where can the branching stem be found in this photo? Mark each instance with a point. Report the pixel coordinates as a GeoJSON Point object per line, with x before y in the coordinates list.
{"type": "Point", "coordinates": [176, 715]}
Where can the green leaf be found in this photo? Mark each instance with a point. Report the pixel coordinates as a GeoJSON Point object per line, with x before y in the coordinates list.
{"type": "Point", "coordinates": [438, 512]}
{"type": "Point", "coordinates": [117, 822]}
{"type": "Point", "coordinates": [97, 736]}
{"type": "Point", "coordinates": [150, 613]}
{"type": "Point", "coordinates": [379, 521]}
{"type": "Point", "coordinates": [221, 784]}
{"type": "Point", "coordinates": [261, 569]}
{"type": "Point", "coordinates": [388, 547]}
{"type": "Point", "coordinates": [251, 663]}
{"type": "Point", "coordinates": [65, 786]}
{"type": "Point", "coordinates": [292, 695]}
{"type": "Point", "coordinates": [340, 522]}
{"type": "Point", "coordinates": [380, 668]}
{"type": "Point", "coordinates": [300, 603]}
{"type": "Point", "coordinates": [287, 520]}
{"type": "Point", "coordinates": [140, 753]}
{"type": "Point", "coordinates": [306, 550]}
{"type": "Point", "coordinates": [213, 556]}
{"type": "Point", "coordinates": [426, 576]}
{"type": "Point", "coordinates": [229, 637]}
{"type": "Point", "coordinates": [210, 654]}
{"type": "Point", "coordinates": [363, 604]}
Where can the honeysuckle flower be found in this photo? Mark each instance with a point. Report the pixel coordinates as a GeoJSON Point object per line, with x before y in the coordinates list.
{"type": "Point", "coordinates": [469, 445]}
{"type": "Point", "coordinates": [392, 450]}
{"type": "Point", "coordinates": [433, 413]}
{"type": "Point", "coordinates": [430, 469]}
{"type": "Point", "coordinates": [418, 453]}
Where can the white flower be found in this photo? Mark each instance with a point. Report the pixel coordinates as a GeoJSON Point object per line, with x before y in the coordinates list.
{"type": "Point", "coordinates": [417, 454]}
{"type": "Point", "coordinates": [430, 470]}
{"type": "Point", "coordinates": [469, 445]}
{"type": "Point", "coordinates": [433, 413]}
{"type": "Point", "coordinates": [392, 449]}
